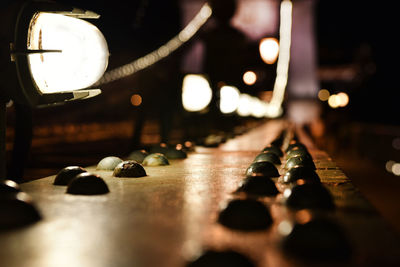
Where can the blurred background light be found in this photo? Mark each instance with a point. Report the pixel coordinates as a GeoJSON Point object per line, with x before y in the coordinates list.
{"type": "Point", "coordinates": [389, 165]}
{"type": "Point", "coordinates": [244, 105]}
{"type": "Point", "coordinates": [256, 18]}
{"type": "Point", "coordinates": [229, 99]}
{"type": "Point", "coordinates": [323, 95]}
{"type": "Point", "coordinates": [258, 108]}
{"type": "Point", "coordinates": [136, 100]}
{"type": "Point", "coordinates": [396, 143]}
{"type": "Point", "coordinates": [269, 50]}
{"type": "Point", "coordinates": [396, 169]}
{"type": "Point", "coordinates": [249, 77]}
{"type": "Point", "coordinates": [338, 100]}
{"type": "Point", "coordinates": [196, 92]}
{"type": "Point", "coordinates": [334, 101]}
{"type": "Point", "coordinates": [344, 99]}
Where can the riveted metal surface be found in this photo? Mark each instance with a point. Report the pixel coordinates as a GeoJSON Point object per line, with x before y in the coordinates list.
{"type": "Point", "coordinates": [170, 215]}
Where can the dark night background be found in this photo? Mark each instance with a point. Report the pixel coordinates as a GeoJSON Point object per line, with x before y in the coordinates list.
{"type": "Point", "coordinates": [342, 28]}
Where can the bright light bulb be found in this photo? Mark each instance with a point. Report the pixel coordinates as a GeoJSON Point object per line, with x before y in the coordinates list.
{"type": "Point", "coordinates": [83, 58]}
{"type": "Point", "coordinates": [229, 99]}
{"type": "Point", "coordinates": [269, 50]}
{"type": "Point", "coordinates": [196, 92]}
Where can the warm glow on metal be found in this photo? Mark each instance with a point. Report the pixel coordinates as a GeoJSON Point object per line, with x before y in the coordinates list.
{"type": "Point", "coordinates": [229, 99]}
{"type": "Point", "coordinates": [323, 95]}
{"type": "Point", "coordinates": [163, 51]}
{"type": "Point", "coordinates": [196, 92]}
{"type": "Point", "coordinates": [269, 50]}
{"type": "Point", "coordinates": [249, 77]}
{"type": "Point", "coordinates": [80, 54]}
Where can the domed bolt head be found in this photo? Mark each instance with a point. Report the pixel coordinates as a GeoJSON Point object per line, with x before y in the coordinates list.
{"type": "Point", "coordinates": [108, 163]}
{"type": "Point", "coordinates": [174, 153]}
{"type": "Point", "coordinates": [274, 149]}
{"type": "Point", "coordinates": [129, 168]}
{"type": "Point", "coordinates": [298, 152]}
{"type": "Point", "coordinates": [138, 155]}
{"type": "Point", "coordinates": [87, 184]}
{"type": "Point", "coordinates": [64, 176]}
{"type": "Point", "coordinates": [303, 161]}
{"type": "Point", "coordinates": [307, 175]}
{"type": "Point", "coordinates": [309, 196]}
{"type": "Point", "coordinates": [245, 215]}
{"type": "Point", "coordinates": [228, 258]}
{"type": "Point", "coordinates": [262, 168]}
{"type": "Point", "coordinates": [17, 210]}
{"type": "Point", "coordinates": [9, 186]}
{"type": "Point", "coordinates": [155, 159]}
{"type": "Point", "coordinates": [268, 156]}
{"type": "Point", "coordinates": [295, 144]}
{"type": "Point", "coordinates": [258, 186]}
{"type": "Point", "coordinates": [318, 239]}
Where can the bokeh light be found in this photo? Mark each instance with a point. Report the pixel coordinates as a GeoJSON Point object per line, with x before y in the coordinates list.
{"type": "Point", "coordinates": [269, 50]}
{"type": "Point", "coordinates": [344, 99]}
{"type": "Point", "coordinates": [229, 99]}
{"type": "Point", "coordinates": [323, 95]}
{"type": "Point", "coordinates": [196, 92]}
{"type": "Point", "coordinates": [244, 105]}
{"type": "Point", "coordinates": [396, 169]}
{"type": "Point", "coordinates": [334, 101]}
{"type": "Point", "coordinates": [396, 143]}
{"type": "Point", "coordinates": [249, 77]}
{"type": "Point", "coordinates": [136, 100]}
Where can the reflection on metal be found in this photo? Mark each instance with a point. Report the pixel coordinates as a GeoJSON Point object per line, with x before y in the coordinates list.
{"type": "Point", "coordinates": [162, 52]}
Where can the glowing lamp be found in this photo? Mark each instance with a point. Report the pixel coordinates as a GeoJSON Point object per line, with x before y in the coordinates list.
{"type": "Point", "coordinates": [57, 54]}
{"type": "Point", "coordinates": [57, 57]}
{"type": "Point", "coordinates": [229, 99]}
{"type": "Point", "coordinates": [269, 50]}
{"type": "Point", "coordinates": [196, 92]}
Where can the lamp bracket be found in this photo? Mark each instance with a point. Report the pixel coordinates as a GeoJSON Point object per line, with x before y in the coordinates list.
{"type": "Point", "coordinates": [14, 53]}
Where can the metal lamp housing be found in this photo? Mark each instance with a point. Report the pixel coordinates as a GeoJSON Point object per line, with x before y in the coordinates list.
{"type": "Point", "coordinates": [57, 55]}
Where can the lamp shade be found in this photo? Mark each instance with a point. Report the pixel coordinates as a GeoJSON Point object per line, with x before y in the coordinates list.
{"type": "Point", "coordinates": [82, 58]}
{"type": "Point", "coordinates": [57, 54]}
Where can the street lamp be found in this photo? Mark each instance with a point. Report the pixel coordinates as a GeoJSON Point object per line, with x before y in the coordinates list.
{"type": "Point", "coordinates": [57, 57]}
